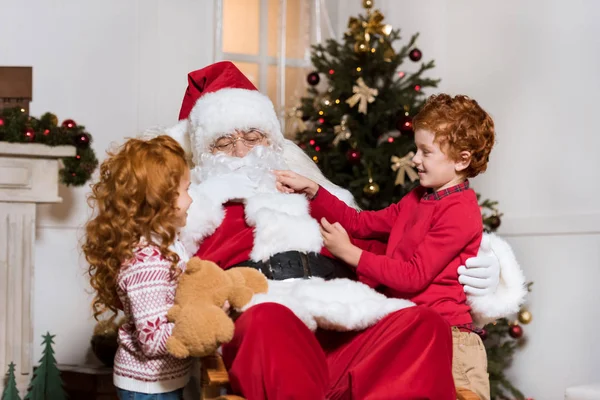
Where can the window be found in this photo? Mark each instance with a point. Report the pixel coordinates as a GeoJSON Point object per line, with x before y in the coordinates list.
{"type": "Point", "coordinates": [269, 41]}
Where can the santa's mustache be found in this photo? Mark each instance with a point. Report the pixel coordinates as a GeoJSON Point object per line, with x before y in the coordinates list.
{"type": "Point", "coordinates": [258, 161]}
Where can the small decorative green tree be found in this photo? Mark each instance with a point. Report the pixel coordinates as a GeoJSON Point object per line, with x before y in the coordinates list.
{"type": "Point", "coordinates": [46, 383]}
{"type": "Point", "coordinates": [10, 390]}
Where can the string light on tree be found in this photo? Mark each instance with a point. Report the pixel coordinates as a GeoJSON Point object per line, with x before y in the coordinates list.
{"type": "Point", "coordinates": [353, 156]}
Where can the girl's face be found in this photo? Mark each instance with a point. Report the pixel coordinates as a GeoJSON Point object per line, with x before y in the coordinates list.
{"type": "Point", "coordinates": [183, 202]}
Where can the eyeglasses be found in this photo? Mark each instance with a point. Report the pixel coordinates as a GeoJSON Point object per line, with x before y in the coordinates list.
{"type": "Point", "coordinates": [250, 138]}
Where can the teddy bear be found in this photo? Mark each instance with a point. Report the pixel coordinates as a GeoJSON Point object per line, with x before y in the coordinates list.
{"type": "Point", "coordinates": [201, 324]}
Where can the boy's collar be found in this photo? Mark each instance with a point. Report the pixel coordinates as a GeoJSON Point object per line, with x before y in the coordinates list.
{"type": "Point", "coordinates": [430, 194]}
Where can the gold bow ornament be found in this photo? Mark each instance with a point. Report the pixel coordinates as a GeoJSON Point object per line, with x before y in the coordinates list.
{"type": "Point", "coordinates": [404, 166]}
{"type": "Point", "coordinates": [362, 95]}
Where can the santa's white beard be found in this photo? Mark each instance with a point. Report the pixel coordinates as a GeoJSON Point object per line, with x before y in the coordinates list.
{"type": "Point", "coordinates": [257, 165]}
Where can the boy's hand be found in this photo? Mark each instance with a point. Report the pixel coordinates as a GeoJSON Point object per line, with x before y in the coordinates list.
{"type": "Point", "coordinates": [290, 182]}
{"type": "Point", "coordinates": [337, 241]}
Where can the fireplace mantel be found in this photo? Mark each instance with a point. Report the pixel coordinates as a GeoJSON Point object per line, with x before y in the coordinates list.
{"type": "Point", "coordinates": [28, 176]}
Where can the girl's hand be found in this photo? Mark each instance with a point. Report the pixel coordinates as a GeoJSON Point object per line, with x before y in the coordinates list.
{"type": "Point", "coordinates": [337, 241]}
{"type": "Point", "coordinates": [290, 182]}
{"type": "Point", "coordinates": [226, 306]}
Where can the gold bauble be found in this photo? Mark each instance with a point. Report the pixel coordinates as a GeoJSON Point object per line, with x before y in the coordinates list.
{"type": "Point", "coordinates": [371, 189]}
{"type": "Point", "coordinates": [525, 317]}
{"type": "Point", "coordinates": [53, 120]}
{"type": "Point", "coordinates": [367, 4]}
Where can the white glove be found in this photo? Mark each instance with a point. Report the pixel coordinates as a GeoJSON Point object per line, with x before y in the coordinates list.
{"type": "Point", "coordinates": [481, 274]}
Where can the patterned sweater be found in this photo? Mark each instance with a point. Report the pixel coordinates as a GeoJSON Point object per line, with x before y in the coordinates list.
{"type": "Point", "coordinates": [146, 291]}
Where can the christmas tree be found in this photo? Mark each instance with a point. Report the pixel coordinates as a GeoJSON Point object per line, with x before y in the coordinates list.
{"type": "Point", "coordinates": [10, 390]}
{"type": "Point", "coordinates": [356, 124]}
{"type": "Point", "coordinates": [46, 383]}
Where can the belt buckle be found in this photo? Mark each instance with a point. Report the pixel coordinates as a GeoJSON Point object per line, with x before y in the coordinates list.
{"type": "Point", "coordinates": [305, 265]}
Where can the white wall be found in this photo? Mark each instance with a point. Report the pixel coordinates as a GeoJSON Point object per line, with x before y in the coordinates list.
{"type": "Point", "coordinates": [116, 67]}
{"type": "Point", "coordinates": [534, 66]}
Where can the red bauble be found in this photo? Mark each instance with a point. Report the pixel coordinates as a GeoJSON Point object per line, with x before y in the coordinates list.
{"type": "Point", "coordinates": [353, 156]}
{"type": "Point", "coordinates": [29, 134]}
{"type": "Point", "coordinates": [404, 124]}
{"type": "Point", "coordinates": [46, 132]}
{"type": "Point", "coordinates": [1, 122]}
{"type": "Point", "coordinates": [82, 140]}
{"type": "Point", "coordinates": [415, 54]}
{"type": "Point", "coordinates": [69, 123]}
{"type": "Point", "coordinates": [483, 334]}
{"type": "Point", "coordinates": [515, 331]}
{"type": "Point", "coordinates": [313, 78]}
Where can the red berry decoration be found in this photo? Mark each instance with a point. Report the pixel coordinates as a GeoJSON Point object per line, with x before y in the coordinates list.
{"type": "Point", "coordinates": [82, 140]}
{"type": "Point", "coordinates": [29, 134]}
{"type": "Point", "coordinates": [515, 331]}
{"type": "Point", "coordinates": [353, 156]}
{"type": "Point", "coordinates": [415, 54]}
{"type": "Point", "coordinates": [69, 123]}
{"type": "Point", "coordinates": [1, 122]}
{"type": "Point", "coordinates": [313, 78]}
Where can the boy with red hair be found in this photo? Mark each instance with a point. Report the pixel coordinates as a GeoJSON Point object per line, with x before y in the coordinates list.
{"type": "Point", "coordinates": [430, 232]}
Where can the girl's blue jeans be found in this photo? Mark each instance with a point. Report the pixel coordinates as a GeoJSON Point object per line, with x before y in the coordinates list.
{"type": "Point", "coordinates": [128, 395]}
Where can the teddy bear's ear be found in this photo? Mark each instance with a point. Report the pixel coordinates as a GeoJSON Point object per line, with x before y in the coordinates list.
{"type": "Point", "coordinates": [194, 264]}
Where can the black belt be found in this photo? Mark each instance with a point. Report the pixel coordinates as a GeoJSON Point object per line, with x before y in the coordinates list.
{"type": "Point", "coordinates": [294, 264]}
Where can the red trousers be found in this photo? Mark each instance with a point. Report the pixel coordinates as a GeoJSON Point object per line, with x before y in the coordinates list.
{"type": "Point", "coordinates": [407, 355]}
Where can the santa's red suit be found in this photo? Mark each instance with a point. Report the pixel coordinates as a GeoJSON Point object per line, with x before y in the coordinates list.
{"type": "Point", "coordinates": [237, 216]}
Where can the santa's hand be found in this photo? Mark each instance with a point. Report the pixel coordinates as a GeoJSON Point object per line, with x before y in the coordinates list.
{"type": "Point", "coordinates": [337, 241]}
{"type": "Point", "coordinates": [481, 274]}
{"type": "Point", "coordinates": [297, 183]}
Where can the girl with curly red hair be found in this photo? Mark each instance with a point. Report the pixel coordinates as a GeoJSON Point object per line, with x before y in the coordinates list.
{"type": "Point", "coordinates": [135, 259]}
{"type": "Point", "coordinates": [430, 232]}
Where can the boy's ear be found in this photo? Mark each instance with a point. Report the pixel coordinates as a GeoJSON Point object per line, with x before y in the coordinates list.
{"type": "Point", "coordinates": [464, 159]}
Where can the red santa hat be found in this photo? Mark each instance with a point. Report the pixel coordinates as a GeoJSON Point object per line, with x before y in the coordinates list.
{"type": "Point", "coordinates": [219, 100]}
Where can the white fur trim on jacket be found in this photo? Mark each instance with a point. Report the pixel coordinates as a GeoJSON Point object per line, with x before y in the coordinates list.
{"type": "Point", "coordinates": [282, 223]}
{"type": "Point", "coordinates": [227, 110]}
{"type": "Point", "coordinates": [299, 162]}
{"type": "Point", "coordinates": [204, 216]}
{"type": "Point", "coordinates": [511, 291]}
{"type": "Point", "coordinates": [338, 304]}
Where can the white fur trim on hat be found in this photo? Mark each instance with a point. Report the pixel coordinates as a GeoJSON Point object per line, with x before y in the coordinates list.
{"type": "Point", "coordinates": [222, 112]}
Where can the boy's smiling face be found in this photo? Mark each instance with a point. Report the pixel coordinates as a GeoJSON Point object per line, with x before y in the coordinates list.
{"type": "Point", "coordinates": [436, 170]}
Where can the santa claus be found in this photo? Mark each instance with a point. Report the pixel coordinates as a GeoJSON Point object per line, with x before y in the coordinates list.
{"type": "Point", "coordinates": [238, 217]}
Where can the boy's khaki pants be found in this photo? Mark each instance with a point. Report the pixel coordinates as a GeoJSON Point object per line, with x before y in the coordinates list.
{"type": "Point", "coordinates": [469, 363]}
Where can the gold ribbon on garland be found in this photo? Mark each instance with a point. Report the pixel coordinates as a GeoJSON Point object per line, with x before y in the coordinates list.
{"type": "Point", "coordinates": [362, 95]}
{"type": "Point", "coordinates": [404, 166]}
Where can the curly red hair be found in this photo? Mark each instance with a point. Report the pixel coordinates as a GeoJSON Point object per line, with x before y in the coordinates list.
{"type": "Point", "coordinates": [134, 198]}
{"type": "Point", "coordinates": [459, 124]}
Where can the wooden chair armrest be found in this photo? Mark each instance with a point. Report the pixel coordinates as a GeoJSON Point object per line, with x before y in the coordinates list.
{"type": "Point", "coordinates": [466, 394]}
